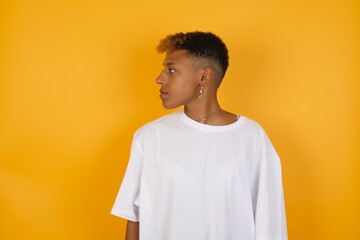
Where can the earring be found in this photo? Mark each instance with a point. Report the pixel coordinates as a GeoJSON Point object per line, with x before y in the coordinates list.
{"type": "Point", "coordinates": [201, 91]}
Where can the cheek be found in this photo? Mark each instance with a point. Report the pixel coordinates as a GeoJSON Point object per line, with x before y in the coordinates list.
{"type": "Point", "coordinates": [191, 84]}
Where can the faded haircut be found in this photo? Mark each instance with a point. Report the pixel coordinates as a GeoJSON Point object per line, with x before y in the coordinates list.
{"type": "Point", "coordinates": [206, 47]}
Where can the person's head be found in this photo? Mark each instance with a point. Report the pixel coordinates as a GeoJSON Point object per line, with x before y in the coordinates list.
{"type": "Point", "coordinates": [194, 66]}
{"type": "Point", "coordinates": [205, 48]}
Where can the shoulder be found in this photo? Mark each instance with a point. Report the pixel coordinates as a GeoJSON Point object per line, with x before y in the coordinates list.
{"type": "Point", "coordinates": [251, 125]}
{"type": "Point", "coordinates": [156, 124]}
{"type": "Point", "coordinates": [255, 132]}
{"type": "Point", "coordinates": [262, 137]}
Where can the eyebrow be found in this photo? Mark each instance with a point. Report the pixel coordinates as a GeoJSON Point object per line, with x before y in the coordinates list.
{"type": "Point", "coordinates": [168, 64]}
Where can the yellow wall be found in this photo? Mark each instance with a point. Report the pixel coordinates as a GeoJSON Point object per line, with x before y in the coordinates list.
{"type": "Point", "coordinates": [77, 78]}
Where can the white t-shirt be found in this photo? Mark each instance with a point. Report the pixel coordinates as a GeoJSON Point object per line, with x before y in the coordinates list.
{"type": "Point", "coordinates": [191, 181]}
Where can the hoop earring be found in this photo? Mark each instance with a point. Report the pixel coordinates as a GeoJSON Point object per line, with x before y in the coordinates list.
{"type": "Point", "coordinates": [201, 91]}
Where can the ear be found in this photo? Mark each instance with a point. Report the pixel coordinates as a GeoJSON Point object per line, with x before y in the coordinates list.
{"type": "Point", "coordinates": [206, 76]}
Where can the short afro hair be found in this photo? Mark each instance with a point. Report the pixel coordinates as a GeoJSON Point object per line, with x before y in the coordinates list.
{"type": "Point", "coordinates": [204, 45]}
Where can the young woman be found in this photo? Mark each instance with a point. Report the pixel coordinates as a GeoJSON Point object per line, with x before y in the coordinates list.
{"type": "Point", "coordinates": [200, 173]}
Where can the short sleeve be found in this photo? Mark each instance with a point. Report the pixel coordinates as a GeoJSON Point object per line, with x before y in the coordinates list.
{"type": "Point", "coordinates": [127, 200]}
{"type": "Point", "coordinates": [270, 216]}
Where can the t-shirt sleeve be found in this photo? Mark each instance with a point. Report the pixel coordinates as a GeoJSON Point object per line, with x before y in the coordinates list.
{"type": "Point", "coordinates": [270, 217]}
{"type": "Point", "coordinates": [127, 200]}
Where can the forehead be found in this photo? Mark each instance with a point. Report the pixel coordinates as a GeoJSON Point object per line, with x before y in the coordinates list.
{"type": "Point", "coordinates": [178, 57]}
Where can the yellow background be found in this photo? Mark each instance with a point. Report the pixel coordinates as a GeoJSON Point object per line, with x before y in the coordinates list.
{"type": "Point", "coordinates": [77, 78]}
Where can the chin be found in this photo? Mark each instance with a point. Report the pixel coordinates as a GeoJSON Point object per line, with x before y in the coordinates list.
{"type": "Point", "coordinates": [170, 106]}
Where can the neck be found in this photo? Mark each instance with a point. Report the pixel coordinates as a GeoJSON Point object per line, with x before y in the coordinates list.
{"type": "Point", "coordinates": [203, 111]}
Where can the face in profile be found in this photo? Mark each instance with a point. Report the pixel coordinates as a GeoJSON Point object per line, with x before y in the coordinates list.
{"type": "Point", "coordinates": [179, 80]}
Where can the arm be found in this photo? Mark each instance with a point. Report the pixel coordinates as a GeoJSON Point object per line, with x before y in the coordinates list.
{"type": "Point", "coordinates": [270, 215]}
{"type": "Point", "coordinates": [132, 230]}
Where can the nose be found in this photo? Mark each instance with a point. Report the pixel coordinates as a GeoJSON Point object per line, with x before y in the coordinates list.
{"type": "Point", "coordinates": [161, 78]}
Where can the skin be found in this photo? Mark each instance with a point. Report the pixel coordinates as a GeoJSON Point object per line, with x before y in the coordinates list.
{"type": "Point", "coordinates": [180, 84]}
{"type": "Point", "coordinates": [132, 231]}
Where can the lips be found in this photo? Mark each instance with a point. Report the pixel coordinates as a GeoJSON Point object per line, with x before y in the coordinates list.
{"type": "Point", "coordinates": [163, 93]}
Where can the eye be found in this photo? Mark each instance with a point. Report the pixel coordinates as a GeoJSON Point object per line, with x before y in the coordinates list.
{"type": "Point", "coordinates": [171, 70]}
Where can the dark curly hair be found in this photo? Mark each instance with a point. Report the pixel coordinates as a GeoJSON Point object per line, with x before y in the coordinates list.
{"type": "Point", "coordinates": [204, 45]}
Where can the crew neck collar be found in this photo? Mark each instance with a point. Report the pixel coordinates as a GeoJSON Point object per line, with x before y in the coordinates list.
{"type": "Point", "coordinates": [210, 128]}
